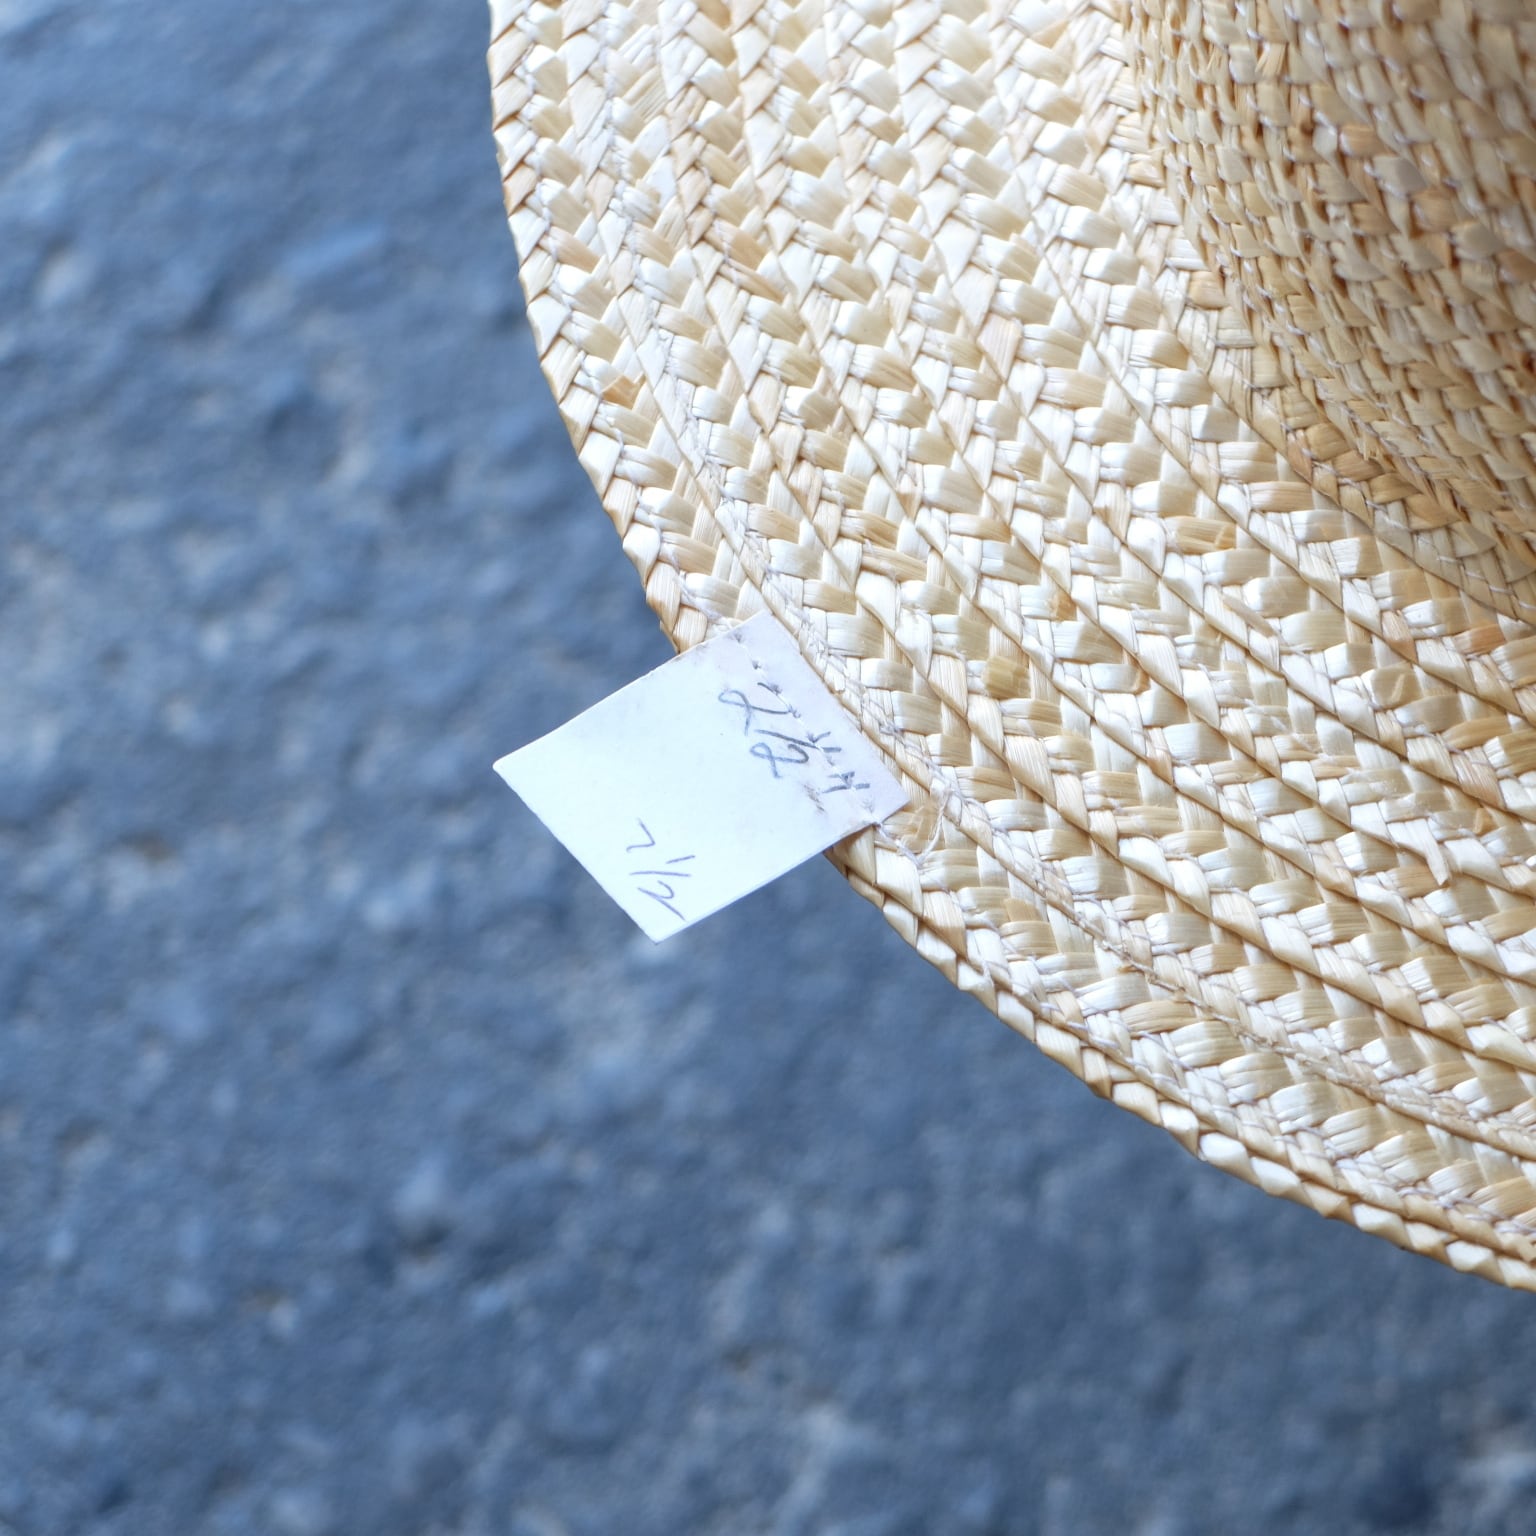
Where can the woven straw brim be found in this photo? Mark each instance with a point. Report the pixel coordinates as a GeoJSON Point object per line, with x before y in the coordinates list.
{"type": "Point", "coordinates": [881, 319]}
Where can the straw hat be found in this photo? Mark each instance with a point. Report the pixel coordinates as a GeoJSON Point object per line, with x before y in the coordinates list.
{"type": "Point", "coordinates": [1128, 407]}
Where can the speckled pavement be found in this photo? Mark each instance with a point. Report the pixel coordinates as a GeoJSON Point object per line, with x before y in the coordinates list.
{"type": "Point", "coordinates": [362, 1171]}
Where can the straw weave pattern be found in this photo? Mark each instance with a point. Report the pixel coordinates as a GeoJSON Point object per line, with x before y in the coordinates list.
{"type": "Point", "coordinates": [1365, 179]}
{"type": "Point", "coordinates": [1218, 737]}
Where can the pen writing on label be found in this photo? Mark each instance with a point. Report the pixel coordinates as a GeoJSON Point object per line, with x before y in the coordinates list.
{"type": "Point", "coordinates": [662, 882]}
{"type": "Point", "coordinates": [786, 745]}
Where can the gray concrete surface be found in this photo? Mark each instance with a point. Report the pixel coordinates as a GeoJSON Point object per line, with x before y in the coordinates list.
{"type": "Point", "coordinates": [362, 1173]}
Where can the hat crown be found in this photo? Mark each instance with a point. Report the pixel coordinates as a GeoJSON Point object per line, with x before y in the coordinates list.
{"type": "Point", "coordinates": [1363, 176]}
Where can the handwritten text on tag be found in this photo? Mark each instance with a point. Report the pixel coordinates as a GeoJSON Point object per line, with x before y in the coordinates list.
{"type": "Point", "coordinates": [705, 779]}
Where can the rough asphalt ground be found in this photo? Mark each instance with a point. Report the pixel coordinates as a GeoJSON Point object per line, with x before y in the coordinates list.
{"type": "Point", "coordinates": [362, 1173]}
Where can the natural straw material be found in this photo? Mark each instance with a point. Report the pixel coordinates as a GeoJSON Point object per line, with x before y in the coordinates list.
{"type": "Point", "coordinates": [1128, 409]}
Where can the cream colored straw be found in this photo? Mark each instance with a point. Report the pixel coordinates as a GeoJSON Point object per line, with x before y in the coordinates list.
{"type": "Point", "coordinates": [1127, 410]}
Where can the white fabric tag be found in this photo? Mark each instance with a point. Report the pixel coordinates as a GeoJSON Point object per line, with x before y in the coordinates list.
{"type": "Point", "coordinates": [710, 776]}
